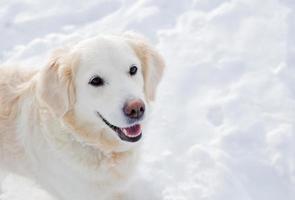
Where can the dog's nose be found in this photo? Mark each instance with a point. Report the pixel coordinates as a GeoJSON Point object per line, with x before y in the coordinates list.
{"type": "Point", "coordinates": [134, 109]}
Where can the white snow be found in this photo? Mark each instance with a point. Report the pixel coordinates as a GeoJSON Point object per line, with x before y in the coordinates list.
{"type": "Point", "coordinates": [223, 124]}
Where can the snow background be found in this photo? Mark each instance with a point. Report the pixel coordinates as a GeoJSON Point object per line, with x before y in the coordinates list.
{"type": "Point", "coordinates": [223, 124]}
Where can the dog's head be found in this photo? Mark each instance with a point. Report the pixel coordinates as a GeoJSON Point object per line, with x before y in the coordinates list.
{"type": "Point", "coordinates": [102, 89]}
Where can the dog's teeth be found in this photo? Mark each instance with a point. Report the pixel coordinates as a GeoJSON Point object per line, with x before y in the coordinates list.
{"type": "Point", "coordinates": [125, 131]}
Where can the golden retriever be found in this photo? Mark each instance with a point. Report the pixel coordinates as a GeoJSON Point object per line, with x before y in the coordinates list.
{"type": "Point", "coordinates": [75, 125]}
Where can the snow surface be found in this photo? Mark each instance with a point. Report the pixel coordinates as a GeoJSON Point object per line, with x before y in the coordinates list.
{"type": "Point", "coordinates": [223, 124]}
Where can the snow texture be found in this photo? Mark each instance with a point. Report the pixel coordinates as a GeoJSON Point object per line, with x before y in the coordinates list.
{"type": "Point", "coordinates": [223, 126]}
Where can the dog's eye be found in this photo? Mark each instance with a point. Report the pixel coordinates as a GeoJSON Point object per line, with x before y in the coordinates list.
{"type": "Point", "coordinates": [96, 81]}
{"type": "Point", "coordinates": [133, 70]}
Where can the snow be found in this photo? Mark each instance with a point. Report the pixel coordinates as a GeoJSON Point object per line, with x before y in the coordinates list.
{"type": "Point", "coordinates": [223, 123]}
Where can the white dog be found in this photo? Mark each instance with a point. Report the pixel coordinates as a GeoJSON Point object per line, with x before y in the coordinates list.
{"type": "Point", "coordinates": [75, 125]}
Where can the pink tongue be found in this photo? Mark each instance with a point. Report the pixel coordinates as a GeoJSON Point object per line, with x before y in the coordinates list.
{"type": "Point", "coordinates": [132, 131]}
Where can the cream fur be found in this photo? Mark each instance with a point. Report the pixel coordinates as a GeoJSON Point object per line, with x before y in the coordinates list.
{"type": "Point", "coordinates": [46, 131]}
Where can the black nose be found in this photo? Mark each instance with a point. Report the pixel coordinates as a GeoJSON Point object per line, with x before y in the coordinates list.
{"type": "Point", "coordinates": [134, 109]}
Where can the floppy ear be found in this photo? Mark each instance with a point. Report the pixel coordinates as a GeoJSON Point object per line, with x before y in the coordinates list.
{"type": "Point", "coordinates": [152, 63]}
{"type": "Point", "coordinates": [55, 85]}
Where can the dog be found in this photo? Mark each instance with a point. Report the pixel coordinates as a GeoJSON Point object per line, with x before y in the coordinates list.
{"type": "Point", "coordinates": [75, 126]}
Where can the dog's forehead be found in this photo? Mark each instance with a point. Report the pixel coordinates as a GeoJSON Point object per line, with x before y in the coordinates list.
{"type": "Point", "coordinates": [106, 54]}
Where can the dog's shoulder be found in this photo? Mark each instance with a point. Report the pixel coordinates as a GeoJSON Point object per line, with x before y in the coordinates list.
{"type": "Point", "coordinates": [13, 84]}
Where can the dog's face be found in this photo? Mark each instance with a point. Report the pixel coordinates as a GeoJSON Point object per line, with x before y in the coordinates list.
{"type": "Point", "coordinates": [103, 88]}
{"type": "Point", "coordinates": [110, 87]}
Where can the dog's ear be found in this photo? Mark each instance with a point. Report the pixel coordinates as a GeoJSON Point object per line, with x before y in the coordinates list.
{"type": "Point", "coordinates": [152, 63]}
{"type": "Point", "coordinates": [55, 85]}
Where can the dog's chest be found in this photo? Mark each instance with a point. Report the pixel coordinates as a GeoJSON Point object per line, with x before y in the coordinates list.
{"type": "Point", "coordinates": [85, 182]}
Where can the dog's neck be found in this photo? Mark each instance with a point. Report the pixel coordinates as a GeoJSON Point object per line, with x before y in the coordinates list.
{"type": "Point", "coordinates": [53, 151]}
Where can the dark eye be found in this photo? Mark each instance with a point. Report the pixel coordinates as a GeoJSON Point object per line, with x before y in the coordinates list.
{"type": "Point", "coordinates": [96, 81]}
{"type": "Point", "coordinates": [133, 70]}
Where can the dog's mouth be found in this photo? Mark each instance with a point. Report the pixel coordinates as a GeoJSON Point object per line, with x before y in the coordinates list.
{"type": "Point", "coordinates": [129, 134]}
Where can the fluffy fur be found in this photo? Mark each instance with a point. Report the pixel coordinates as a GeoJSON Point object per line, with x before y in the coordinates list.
{"type": "Point", "coordinates": [49, 128]}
